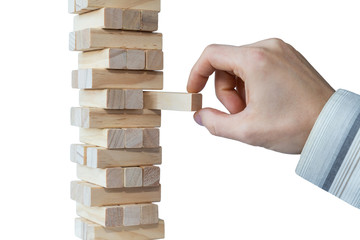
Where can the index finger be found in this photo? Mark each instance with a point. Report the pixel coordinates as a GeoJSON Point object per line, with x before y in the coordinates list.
{"type": "Point", "coordinates": [214, 57]}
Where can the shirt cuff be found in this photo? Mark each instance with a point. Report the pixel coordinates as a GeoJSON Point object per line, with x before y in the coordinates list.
{"type": "Point", "coordinates": [331, 155]}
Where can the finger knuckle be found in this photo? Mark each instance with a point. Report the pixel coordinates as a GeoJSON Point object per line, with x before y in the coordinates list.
{"type": "Point", "coordinates": [258, 57]}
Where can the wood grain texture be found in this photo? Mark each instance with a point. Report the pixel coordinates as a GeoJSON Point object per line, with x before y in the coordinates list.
{"type": "Point", "coordinates": [117, 79]}
{"type": "Point", "coordinates": [78, 153]}
{"type": "Point", "coordinates": [149, 20]}
{"type": "Point", "coordinates": [102, 118]}
{"type": "Point", "coordinates": [115, 216]}
{"type": "Point", "coordinates": [108, 178]}
{"type": "Point", "coordinates": [87, 230]}
{"type": "Point", "coordinates": [154, 60]}
{"type": "Point", "coordinates": [149, 214]}
{"type": "Point", "coordinates": [133, 177]}
{"type": "Point", "coordinates": [112, 98]}
{"type": "Point", "coordinates": [110, 18]}
{"type": "Point", "coordinates": [109, 138]}
{"type": "Point", "coordinates": [132, 215]}
{"type": "Point", "coordinates": [151, 137]}
{"type": "Point", "coordinates": [116, 138]}
{"type": "Point", "coordinates": [134, 138]}
{"type": "Point", "coordinates": [151, 176]}
{"type": "Point", "coordinates": [90, 5]}
{"type": "Point", "coordinates": [107, 58]}
{"type": "Point", "coordinates": [117, 18]}
{"type": "Point", "coordinates": [173, 101]}
{"type": "Point", "coordinates": [93, 195]}
{"type": "Point", "coordinates": [134, 99]}
{"type": "Point", "coordinates": [122, 59]}
{"type": "Point", "coordinates": [94, 38]}
{"type": "Point", "coordinates": [98, 157]}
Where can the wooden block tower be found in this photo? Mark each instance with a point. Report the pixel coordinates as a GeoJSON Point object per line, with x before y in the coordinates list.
{"type": "Point", "coordinates": [117, 162]}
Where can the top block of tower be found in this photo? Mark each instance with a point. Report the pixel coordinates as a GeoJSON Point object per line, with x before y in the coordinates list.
{"type": "Point", "coordinates": [82, 6]}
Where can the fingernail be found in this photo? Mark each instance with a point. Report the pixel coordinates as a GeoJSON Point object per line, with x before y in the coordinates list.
{"type": "Point", "coordinates": [197, 119]}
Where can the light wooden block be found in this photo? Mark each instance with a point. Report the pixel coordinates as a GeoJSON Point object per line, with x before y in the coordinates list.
{"type": "Point", "coordinates": [151, 138]}
{"type": "Point", "coordinates": [112, 98]}
{"type": "Point", "coordinates": [134, 99]}
{"type": "Point", "coordinates": [173, 101]}
{"type": "Point", "coordinates": [115, 216]}
{"type": "Point", "coordinates": [78, 153]}
{"type": "Point", "coordinates": [154, 60]}
{"type": "Point", "coordinates": [93, 195]}
{"type": "Point", "coordinates": [135, 59]}
{"type": "Point", "coordinates": [110, 18]}
{"type": "Point", "coordinates": [115, 58]}
{"type": "Point", "coordinates": [149, 214]}
{"type": "Point", "coordinates": [109, 138]}
{"type": "Point", "coordinates": [151, 176]}
{"type": "Point", "coordinates": [107, 98]}
{"type": "Point", "coordinates": [117, 79]}
{"type": "Point", "coordinates": [108, 178]}
{"type": "Point", "coordinates": [115, 138]}
{"type": "Point", "coordinates": [90, 5]}
{"type": "Point", "coordinates": [133, 177]}
{"type": "Point", "coordinates": [98, 157]}
{"type": "Point", "coordinates": [94, 38]}
{"type": "Point", "coordinates": [131, 19]}
{"type": "Point", "coordinates": [132, 215]}
{"type": "Point", "coordinates": [72, 41]}
{"type": "Point", "coordinates": [149, 20]}
{"type": "Point", "coordinates": [109, 216]}
{"type": "Point", "coordinates": [102, 118]}
{"type": "Point", "coordinates": [134, 138]}
{"type": "Point", "coordinates": [107, 58]}
{"type": "Point", "coordinates": [87, 230]}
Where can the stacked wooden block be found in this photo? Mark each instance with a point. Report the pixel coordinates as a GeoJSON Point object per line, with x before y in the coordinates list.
{"type": "Point", "coordinates": [119, 122]}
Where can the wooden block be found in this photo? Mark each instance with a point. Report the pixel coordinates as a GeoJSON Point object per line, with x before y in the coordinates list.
{"type": "Point", "coordinates": [115, 216]}
{"type": "Point", "coordinates": [115, 138]}
{"type": "Point", "coordinates": [108, 178]}
{"type": "Point", "coordinates": [134, 138]}
{"type": "Point", "coordinates": [149, 20]}
{"type": "Point", "coordinates": [112, 98]}
{"type": "Point", "coordinates": [149, 214]}
{"type": "Point", "coordinates": [133, 177]}
{"type": "Point", "coordinates": [90, 5]}
{"type": "Point", "coordinates": [173, 101]}
{"type": "Point", "coordinates": [114, 58]}
{"type": "Point", "coordinates": [135, 59]}
{"type": "Point", "coordinates": [78, 153]}
{"type": "Point", "coordinates": [154, 60]}
{"type": "Point", "coordinates": [107, 58]}
{"type": "Point", "coordinates": [72, 41]}
{"type": "Point", "coordinates": [87, 230]}
{"type": "Point", "coordinates": [103, 118]}
{"type": "Point", "coordinates": [109, 216]}
{"type": "Point", "coordinates": [94, 38]}
{"type": "Point", "coordinates": [151, 138]}
{"type": "Point", "coordinates": [118, 79]}
{"type": "Point", "coordinates": [131, 19]}
{"type": "Point", "coordinates": [134, 99]}
{"type": "Point", "coordinates": [132, 215]}
{"type": "Point", "coordinates": [109, 138]}
{"type": "Point", "coordinates": [93, 195]}
{"type": "Point", "coordinates": [151, 176]}
{"type": "Point", "coordinates": [98, 157]}
{"type": "Point", "coordinates": [107, 98]}
{"type": "Point", "coordinates": [111, 18]}
{"type": "Point", "coordinates": [71, 6]}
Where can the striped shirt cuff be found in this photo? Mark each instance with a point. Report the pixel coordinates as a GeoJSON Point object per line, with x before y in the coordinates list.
{"type": "Point", "coordinates": [331, 156]}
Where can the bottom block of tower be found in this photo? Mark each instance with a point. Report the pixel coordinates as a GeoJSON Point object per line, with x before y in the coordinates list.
{"type": "Point", "coordinates": [87, 230]}
{"type": "Point", "coordinates": [120, 215]}
{"type": "Point", "coordinates": [92, 195]}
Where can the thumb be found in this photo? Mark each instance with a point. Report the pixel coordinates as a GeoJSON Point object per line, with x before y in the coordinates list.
{"type": "Point", "coordinates": [218, 123]}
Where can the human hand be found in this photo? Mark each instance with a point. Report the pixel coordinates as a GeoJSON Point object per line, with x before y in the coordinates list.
{"type": "Point", "coordinates": [273, 94]}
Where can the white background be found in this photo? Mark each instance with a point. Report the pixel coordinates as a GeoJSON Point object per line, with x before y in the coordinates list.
{"type": "Point", "coordinates": [213, 188]}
